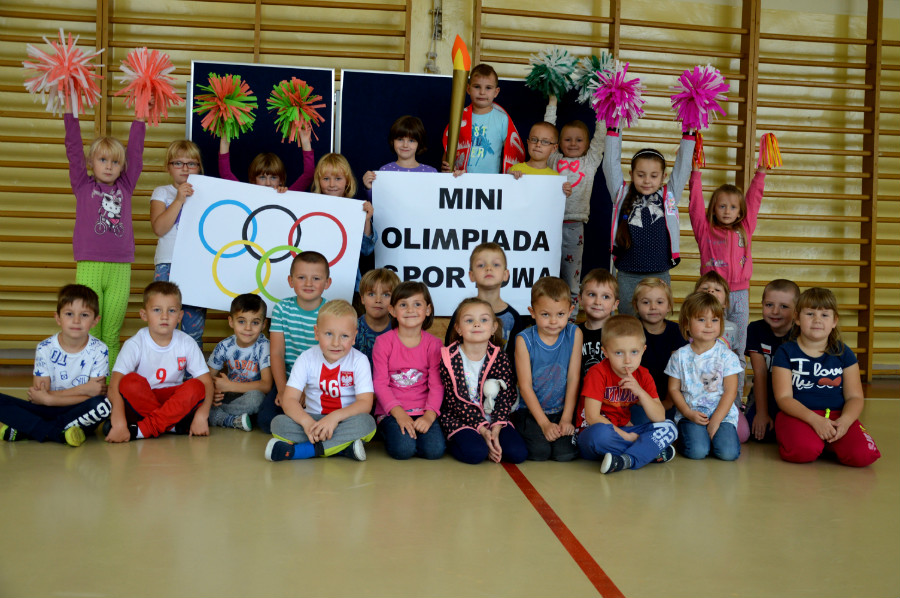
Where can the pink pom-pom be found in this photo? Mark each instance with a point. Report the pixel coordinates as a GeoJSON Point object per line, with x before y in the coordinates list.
{"type": "Point", "coordinates": [698, 93]}
{"type": "Point", "coordinates": [616, 99]}
{"type": "Point", "coordinates": [64, 78]}
{"type": "Point", "coordinates": [149, 86]}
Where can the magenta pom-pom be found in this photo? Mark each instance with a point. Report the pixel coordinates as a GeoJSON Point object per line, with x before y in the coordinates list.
{"type": "Point", "coordinates": [64, 78]}
{"type": "Point", "coordinates": [149, 86]}
{"type": "Point", "coordinates": [617, 99]}
{"type": "Point", "coordinates": [697, 96]}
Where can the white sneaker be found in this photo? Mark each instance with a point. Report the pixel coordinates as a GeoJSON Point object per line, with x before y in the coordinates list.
{"type": "Point", "coordinates": [357, 450]}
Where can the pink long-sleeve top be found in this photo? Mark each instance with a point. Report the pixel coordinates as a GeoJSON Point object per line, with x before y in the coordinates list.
{"type": "Point", "coordinates": [103, 230]}
{"type": "Point", "coordinates": [303, 182]}
{"type": "Point", "coordinates": [408, 377]}
{"type": "Point", "coordinates": [722, 250]}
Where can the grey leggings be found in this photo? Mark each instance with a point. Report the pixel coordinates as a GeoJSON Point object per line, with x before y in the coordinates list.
{"type": "Point", "coordinates": [236, 404]}
{"type": "Point", "coordinates": [346, 433]}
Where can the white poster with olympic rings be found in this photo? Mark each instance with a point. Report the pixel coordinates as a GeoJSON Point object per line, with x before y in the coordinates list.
{"type": "Point", "coordinates": [238, 238]}
{"type": "Point", "coordinates": [428, 225]}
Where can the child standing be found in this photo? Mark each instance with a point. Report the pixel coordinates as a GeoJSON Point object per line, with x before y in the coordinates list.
{"type": "Point", "coordinates": [579, 163]}
{"type": "Point", "coordinates": [375, 288]}
{"type": "Point", "coordinates": [723, 232]}
{"type": "Point", "coordinates": [246, 354]}
{"type": "Point", "coordinates": [652, 302]}
{"type": "Point", "coordinates": [103, 240]}
{"type": "Point", "coordinates": [487, 269]}
{"type": "Point", "coordinates": [645, 232]}
{"type": "Point", "coordinates": [479, 389]}
{"type": "Point", "coordinates": [818, 389]}
{"type": "Point", "coordinates": [291, 331]}
{"type": "Point", "coordinates": [488, 140]}
{"type": "Point", "coordinates": [407, 140]}
{"type": "Point", "coordinates": [407, 377]}
{"type": "Point", "coordinates": [611, 389]}
{"type": "Point", "coordinates": [703, 382]}
{"type": "Point", "coordinates": [147, 389]}
{"type": "Point", "coordinates": [68, 392]}
{"type": "Point", "coordinates": [763, 339]}
{"type": "Point", "coordinates": [337, 384]}
{"type": "Point", "coordinates": [267, 169]}
{"type": "Point", "coordinates": [599, 298]}
{"type": "Point", "coordinates": [335, 178]}
{"type": "Point", "coordinates": [182, 160]}
{"type": "Point", "coordinates": [548, 360]}
{"type": "Point", "coordinates": [542, 141]}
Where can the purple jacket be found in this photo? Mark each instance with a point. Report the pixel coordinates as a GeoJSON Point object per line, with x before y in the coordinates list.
{"type": "Point", "coordinates": [103, 230]}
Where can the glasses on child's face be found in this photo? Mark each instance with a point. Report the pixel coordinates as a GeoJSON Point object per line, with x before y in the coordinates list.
{"type": "Point", "coordinates": [189, 165]}
{"type": "Point", "coordinates": [535, 141]}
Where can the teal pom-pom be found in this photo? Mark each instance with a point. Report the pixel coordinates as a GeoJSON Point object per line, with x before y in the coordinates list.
{"type": "Point", "coordinates": [551, 72]}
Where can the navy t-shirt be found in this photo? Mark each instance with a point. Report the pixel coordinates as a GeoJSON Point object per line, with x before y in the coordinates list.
{"type": "Point", "coordinates": [761, 339]}
{"type": "Point", "coordinates": [659, 350]}
{"type": "Point", "coordinates": [817, 382]}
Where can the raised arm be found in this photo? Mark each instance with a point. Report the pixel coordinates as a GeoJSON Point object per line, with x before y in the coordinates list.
{"type": "Point", "coordinates": [612, 162]}
{"type": "Point", "coordinates": [78, 174]}
{"type": "Point", "coordinates": [754, 198]}
{"type": "Point", "coordinates": [225, 160]}
{"type": "Point", "coordinates": [304, 181]}
{"type": "Point", "coordinates": [681, 170]}
{"type": "Point", "coordinates": [696, 209]}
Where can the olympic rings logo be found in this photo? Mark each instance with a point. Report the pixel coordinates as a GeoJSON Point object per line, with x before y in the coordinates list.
{"type": "Point", "coordinates": [249, 245]}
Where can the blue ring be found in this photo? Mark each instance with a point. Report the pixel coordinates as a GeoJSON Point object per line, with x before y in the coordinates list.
{"type": "Point", "coordinates": [210, 209]}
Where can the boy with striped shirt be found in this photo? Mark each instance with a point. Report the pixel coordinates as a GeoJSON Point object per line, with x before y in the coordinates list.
{"type": "Point", "coordinates": [291, 331]}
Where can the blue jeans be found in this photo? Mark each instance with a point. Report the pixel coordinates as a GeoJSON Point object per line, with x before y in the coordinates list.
{"type": "Point", "coordinates": [194, 320]}
{"type": "Point", "coordinates": [598, 439]}
{"type": "Point", "coordinates": [696, 442]}
{"type": "Point", "coordinates": [400, 445]}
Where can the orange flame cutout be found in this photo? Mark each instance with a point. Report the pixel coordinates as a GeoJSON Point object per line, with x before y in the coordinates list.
{"type": "Point", "coordinates": [461, 59]}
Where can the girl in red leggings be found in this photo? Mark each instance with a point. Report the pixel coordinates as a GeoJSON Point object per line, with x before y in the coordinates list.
{"type": "Point", "coordinates": [816, 381]}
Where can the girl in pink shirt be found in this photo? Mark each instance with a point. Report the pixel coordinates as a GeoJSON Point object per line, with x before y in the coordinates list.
{"type": "Point", "coordinates": [407, 379]}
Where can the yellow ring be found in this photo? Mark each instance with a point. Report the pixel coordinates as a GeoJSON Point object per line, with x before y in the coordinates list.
{"type": "Point", "coordinates": [228, 246]}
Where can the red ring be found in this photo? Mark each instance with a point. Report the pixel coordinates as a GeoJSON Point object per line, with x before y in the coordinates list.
{"type": "Point", "coordinates": [336, 221]}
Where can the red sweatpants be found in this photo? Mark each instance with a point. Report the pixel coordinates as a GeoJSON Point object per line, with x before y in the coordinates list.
{"type": "Point", "coordinates": [161, 408]}
{"type": "Point", "coordinates": [799, 443]}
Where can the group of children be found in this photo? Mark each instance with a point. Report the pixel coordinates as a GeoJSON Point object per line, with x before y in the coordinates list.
{"type": "Point", "coordinates": [616, 388]}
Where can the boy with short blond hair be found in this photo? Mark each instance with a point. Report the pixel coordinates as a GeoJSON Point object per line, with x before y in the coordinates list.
{"type": "Point", "coordinates": [337, 382]}
{"type": "Point", "coordinates": [488, 140]}
{"type": "Point", "coordinates": [611, 389]}
{"type": "Point", "coordinates": [68, 392]}
{"type": "Point", "coordinates": [548, 360]}
{"type": "Point", "coordinates": [375, 288]}
{"type": "Point", "coordinates": [291, 330]}
{"type": "Point", "coordinates": [599, 298]}
{"type": "Point", "coordinates": [764, 336]}
{"type": "Point", "coordinates": [246, 355]}
{"type": "Point", "coordinates": [487, 269]}
{"type": "Point", "coordinates": [147, 390]}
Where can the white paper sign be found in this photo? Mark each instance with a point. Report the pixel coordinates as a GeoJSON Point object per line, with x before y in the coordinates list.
{"type": "Point", "coordinates": [428, 225]}
{"type": "Point", "coordinates": [238, 238]}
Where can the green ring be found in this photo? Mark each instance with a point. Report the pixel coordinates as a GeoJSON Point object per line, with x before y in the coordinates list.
{"type": "Point", "coordinates": [263, 260]}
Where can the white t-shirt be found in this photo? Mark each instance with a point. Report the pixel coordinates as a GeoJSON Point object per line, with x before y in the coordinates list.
{"type": "Point", "coordinates": [161, 366]}
{"type": "Point", "coordinates": [330, 387]}
{"type": "Point", "coordinates": [166, 244]}
{"type": "Point", "coordinates": [67, 370]}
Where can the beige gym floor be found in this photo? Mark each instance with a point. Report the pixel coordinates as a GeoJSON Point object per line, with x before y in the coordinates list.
{"type": "Point", "coordinates": [180, 516]}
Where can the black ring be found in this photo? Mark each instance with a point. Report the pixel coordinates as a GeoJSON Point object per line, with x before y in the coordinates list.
{"type": "Point", "coordinates": [253, 214]}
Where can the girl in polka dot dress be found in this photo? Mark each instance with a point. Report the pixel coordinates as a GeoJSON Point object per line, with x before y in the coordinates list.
{"type": "Point", "coordinates": [645, 227]}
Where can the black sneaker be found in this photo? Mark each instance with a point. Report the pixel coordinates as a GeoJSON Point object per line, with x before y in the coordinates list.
{"type": "Point", "coordinates": [132, 429]}
{"type": "Point", "coordinates": [612, 463]}
{"type": "Point", "coordinates": [665, 455]}
{"type": "Point", "coordinates": [9, 434]}
{"type": "Point", "coordinates": [279, 450]}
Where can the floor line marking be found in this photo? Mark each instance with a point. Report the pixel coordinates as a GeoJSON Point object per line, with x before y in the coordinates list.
{"type": "Point", "coordinates": [594, 572]}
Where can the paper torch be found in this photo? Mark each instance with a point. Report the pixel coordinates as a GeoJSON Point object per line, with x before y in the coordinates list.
{"type": "Point", "coordinates": [462, 63]}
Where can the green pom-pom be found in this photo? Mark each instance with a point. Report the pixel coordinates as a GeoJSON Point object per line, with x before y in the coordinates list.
{"type": "Point", "coordinates": [551, 73]}
{"type": "Point", "coordinates": [227, 107]}
{"type": "Point", "coordinates": [585, 78]}
{"type": "Point", "coordinates": [296, 108]}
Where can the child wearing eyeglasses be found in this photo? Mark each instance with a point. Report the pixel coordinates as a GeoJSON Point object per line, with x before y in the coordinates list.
{"type": "Point", "coordinates": [542, 142]}
{"type": "Point", "coordinates": [182, 160]}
